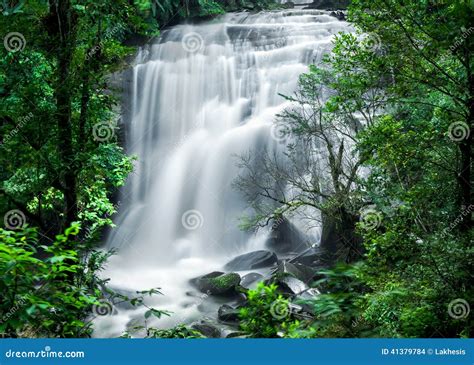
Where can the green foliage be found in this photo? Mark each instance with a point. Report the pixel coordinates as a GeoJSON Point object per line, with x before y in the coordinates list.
{"type": "Point", "coordinates": [267, 314]}
{"type": "Point", "coordinates": [397, 89]}
{"type": "Point", "coordinates": [210, 8]}
{"type": "Point", "coordinates": [336, 311]}
{"type": "Point", "coordinates": [48, 297]}
{"type": "Point", "coordinates": [180, 331]}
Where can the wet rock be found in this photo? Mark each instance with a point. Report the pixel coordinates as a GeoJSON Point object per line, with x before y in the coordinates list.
{"type": "Point", "coordinates": [314, 257]}
{"type": "Point", "coordinates": [250, 278]}
{"type": "Point", "coordinates": [236, 335]}
{"type": "Point", "coordinates": [304, 297]}
{"type": "Point", "coordinates": [338, 14]}
{"type": "Point", "coordinates": [217, 283]}
{"type": "Point", "coordinates": [308, 294]}
{"type": "Point", "coordinates": [295, 308]}
{"type": "Point", "coordinates": [207, 329]}
{"type": "Point", "coordinates": [288, 284]}
{"type": "Point", "coordinates": [299, 271]}
{"type": "Point", "coordinates": [226, 313]}
{"type": "Point", "coordinates": [252, 260]}
{"type": "Point", "coordinates": [328, 4]}
{"type": "Point", "coordinates": [285, 237]}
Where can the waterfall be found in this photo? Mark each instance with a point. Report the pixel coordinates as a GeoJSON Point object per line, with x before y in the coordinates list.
{"type": "Point", "coordinates": [200, 96]}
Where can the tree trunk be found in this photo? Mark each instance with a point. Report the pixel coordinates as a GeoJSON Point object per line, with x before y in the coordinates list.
{"type": "Point", "coordinates": [66, 24]}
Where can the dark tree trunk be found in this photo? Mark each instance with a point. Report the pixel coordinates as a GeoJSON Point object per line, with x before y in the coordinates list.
{"type": "Point", "coordinates": [65, 32]}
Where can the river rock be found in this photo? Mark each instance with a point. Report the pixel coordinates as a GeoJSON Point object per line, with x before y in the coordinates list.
{"type": "Point", "coordinates": [304, 297]}
{"type": "Point", "coordinates": [338, 14]}
{"type": "Point", "coordinates": [216, 283]}
{"type": "Point", "coordinates": [328, 4]}
{"type": "Point", "coordinates": [252, 260]}
{"type": "Point", "coordinates": [228, 314]}
{"type": "Point", "coordinates": [299, 271]}
{"type": "Point", "coordinates": [207, 329]}
{"type": "Point", "coordinates": [308, 294]}
{"type": "Point", "coordinates": [288, 284]}
{"type": "Point", "coordinates": [249, 279]}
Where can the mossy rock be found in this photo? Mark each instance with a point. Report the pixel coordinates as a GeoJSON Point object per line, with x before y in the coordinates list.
{"type": "Point", "coordinates": [218, 283]}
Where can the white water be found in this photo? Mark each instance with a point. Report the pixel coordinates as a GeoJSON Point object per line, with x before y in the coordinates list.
{"type": "Point", "coordinates": [196, 104]}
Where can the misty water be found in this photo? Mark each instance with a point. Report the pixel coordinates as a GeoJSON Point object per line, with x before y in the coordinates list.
{"type": "Point", "coordinates": [200, 96]}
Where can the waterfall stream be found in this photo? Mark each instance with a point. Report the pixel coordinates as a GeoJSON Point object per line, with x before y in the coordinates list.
{"type": "Point", "coordinates": [200, 96]}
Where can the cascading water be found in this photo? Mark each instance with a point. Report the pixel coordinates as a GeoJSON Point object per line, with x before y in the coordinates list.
{"type": "Point", "coordinates": [201, 96]}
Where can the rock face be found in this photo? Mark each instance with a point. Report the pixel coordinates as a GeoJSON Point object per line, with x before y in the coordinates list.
{"type": "Point", "coordinates": [252, 260]}
{"type": "Point", "coordinates": [217, 283]}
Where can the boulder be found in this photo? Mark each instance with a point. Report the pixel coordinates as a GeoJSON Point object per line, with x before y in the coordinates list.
{"type": "Point", "coordinates": [285, 237]}
{"type": "Point", "coordinates": [228, 314]}
{"type": "Point", "coordinates": [328, 4]}
{"type": "Point", "coordinates": [308, 294]}
{"type": "Point", "coordinates": [291, 284]}
{"type": "Point", "coordinates": [217, 283]}
{"type": "Point", "coordinates": [207, 329]}
{"type": "Point", "coordinates": [252, 260]}
{"type": "Point", "coordinates": [303, 298]}
{"type": "Point", "coordinates": [299, 271]}
{"type": "Point", "coordinates": [288, 284]}
{"type": "Point", "coordinates": [338, 14]}
{"type": "Point", "coordinates": [236, 335]}
{"type": "Point", "coordinates": [249, 279]}
{"type": "Point", "coordinates": [314, 257]}
{"type": "Point", "coordinates": [309, 258]}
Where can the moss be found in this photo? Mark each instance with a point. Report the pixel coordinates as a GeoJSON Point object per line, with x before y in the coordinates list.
{"type": "Point", "coordinates": [225, 282]}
